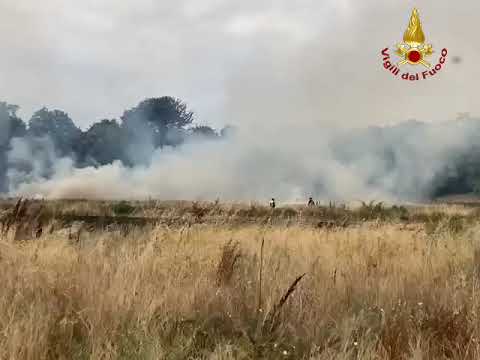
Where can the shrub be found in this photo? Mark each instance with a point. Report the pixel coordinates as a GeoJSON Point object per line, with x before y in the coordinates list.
{"type": "Point", "coordinates": [123, 208]}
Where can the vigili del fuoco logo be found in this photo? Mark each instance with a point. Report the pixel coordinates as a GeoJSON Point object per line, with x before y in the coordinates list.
{"type": "Point", "coordinates": [412, 53]}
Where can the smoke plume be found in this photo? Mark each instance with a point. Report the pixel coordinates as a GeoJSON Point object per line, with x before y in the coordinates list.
{"type": "Point", "coordinates": [395, 163]}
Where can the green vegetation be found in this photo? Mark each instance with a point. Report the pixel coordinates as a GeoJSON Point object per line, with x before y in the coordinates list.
{"type": "Point", "coordinates": [123, 208]}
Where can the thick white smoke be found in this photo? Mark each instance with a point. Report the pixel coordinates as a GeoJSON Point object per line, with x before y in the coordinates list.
{"type": "Point", "coordinates": [248, 167]}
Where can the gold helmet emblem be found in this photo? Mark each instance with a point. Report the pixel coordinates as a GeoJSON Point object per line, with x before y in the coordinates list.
{"type": "Point", "coordinates": [413, 50]}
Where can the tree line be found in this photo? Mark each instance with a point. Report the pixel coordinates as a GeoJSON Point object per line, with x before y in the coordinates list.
{"type": "Point", "coordinates": [154, 123]}
{"type": "Point", "coordinates": [397, 159]}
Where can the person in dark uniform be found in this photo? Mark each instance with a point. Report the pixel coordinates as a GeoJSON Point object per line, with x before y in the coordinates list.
{"type": "Point", "coordinates": [272, 203]}
{"type": "Point", "coordinates": [311, 202]}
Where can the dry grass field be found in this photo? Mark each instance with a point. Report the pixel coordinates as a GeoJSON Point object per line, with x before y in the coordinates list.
{"type": "Point", "coordinates": [292, 283]}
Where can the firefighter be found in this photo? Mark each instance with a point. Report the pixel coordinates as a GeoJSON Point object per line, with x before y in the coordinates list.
{"type": "Point", "coordinates": [272, 203]}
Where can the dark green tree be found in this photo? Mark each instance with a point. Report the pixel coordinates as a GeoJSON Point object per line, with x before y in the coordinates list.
{"type": "Point", "coordinates": [103, 143]}
{"type": "Point", "coordinates": [10, 126]}
{"type": "Point", "coordinates": [204, 132]}
{"type": "Point", "coordinates": [161, 120]}
{"type": "Point", "coordinates": [58, 126]}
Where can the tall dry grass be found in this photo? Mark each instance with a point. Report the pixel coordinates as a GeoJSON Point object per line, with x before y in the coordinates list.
{"type": "Point", "coordinates": [205, 292]}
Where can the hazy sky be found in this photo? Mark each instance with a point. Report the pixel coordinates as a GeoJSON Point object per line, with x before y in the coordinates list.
{"type": "Point", "coordinates": [241, 62]}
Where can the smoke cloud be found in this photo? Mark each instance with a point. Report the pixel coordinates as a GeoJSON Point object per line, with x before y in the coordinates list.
{"type": "Point", "coordinates": [396, 163]}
